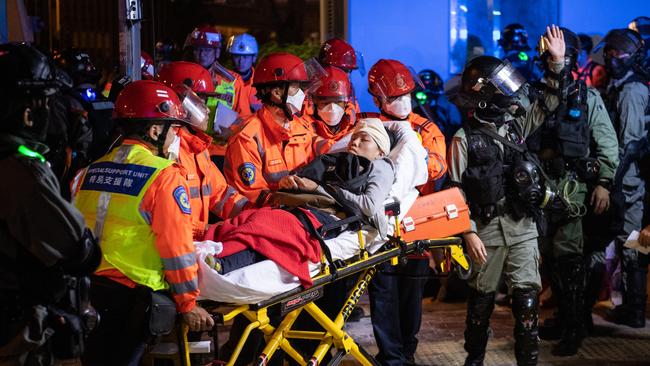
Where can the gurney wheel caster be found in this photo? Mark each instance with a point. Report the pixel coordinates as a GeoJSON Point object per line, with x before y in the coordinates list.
{"type": "Point", "coordinates": [462, 273]}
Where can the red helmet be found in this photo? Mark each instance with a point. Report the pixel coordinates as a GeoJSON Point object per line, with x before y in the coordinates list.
{"type": "Point", "coordinates": [280, 67]}
{"type": "Point", "coordinates": [339, 53]}
{"type": "Point", "coordinates": [204, 36]}
{"type": "Point", "coordinates": [148, 100]}
{"type": "Point", "coordinates": [390, 78]}
{"type": "Point", "coordinates": [146, 64]}
{"type": "Point", "coordinates": [179, 74]}
{"type": "Point", "coordinates": [335, 85]}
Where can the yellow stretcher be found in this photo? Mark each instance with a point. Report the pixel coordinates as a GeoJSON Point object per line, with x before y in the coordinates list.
{"type": "Point", "coordinates": [294, 302]}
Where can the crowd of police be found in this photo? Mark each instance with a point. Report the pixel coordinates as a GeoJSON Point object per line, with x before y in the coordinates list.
{"type": "Point", "coordinates": [111, 187]}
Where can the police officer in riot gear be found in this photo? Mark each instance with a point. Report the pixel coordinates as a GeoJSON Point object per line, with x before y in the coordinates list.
{"type": "Point", "coordinates": [514, 42]}
{"type": "Point", "coordinates": [576, 145]}
{"type": "Point", "coordinates": [433, 104]}
{"type": "Point", "coordinates": [45, 245]}
{"type": "Point", "coordinates": [503, 186]}
{"type": "Point", "coordinates": [627, 99]}
{"type": "Point", "coordinates": [85, 99]}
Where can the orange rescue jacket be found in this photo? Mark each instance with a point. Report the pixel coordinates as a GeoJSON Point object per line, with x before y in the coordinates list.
{"type": "Point", "coordinates": [208, 190]}
{"type": "Point", "coordinates": [263, 152]}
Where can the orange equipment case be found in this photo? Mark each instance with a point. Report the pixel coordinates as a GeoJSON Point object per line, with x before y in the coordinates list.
{"type": "Point", "coordinates": [436, 215]}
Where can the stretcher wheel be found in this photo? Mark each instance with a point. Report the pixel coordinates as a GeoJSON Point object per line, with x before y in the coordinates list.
{"type": "Point", "coordinates": [462, 273]}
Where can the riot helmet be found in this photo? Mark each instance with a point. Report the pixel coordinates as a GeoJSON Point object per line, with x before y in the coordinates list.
{"type": "Point", "coordinates": [78, 64]}
{"type": "Point", "coordinates": [27, 80]}
{"type": "Point", "coordinates": [514, 37]}
{"type": "Point", "coordinates": [622, 50]}
{"type": "Point", "coordinates": [489, 86]}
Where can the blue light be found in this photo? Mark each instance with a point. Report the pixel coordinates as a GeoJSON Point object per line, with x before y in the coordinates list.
{"type": "Point", "coordinates": [496, 12]}
{"type": "Point", "coordinates": [574, 113]}
{"type": "Point", "coordinates": [89, 95]}
{"type": "Point", "coordinates": [463, 8]}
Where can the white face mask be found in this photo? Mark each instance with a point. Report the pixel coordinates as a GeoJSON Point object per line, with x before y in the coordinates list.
{"type": "Point", "coordinates": [173, 151]}
{"type": "Point", "coordinates": [331, 114]}
{"type": "Point", "coordinates": [294, 102]}
{"type": "Point", "coordinates": [400, 107]}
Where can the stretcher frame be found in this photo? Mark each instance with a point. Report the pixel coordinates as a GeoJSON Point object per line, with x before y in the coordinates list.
{"type": "Point", "coordinates": [295, 301]}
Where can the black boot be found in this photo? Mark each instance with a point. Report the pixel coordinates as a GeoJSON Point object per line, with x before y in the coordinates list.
{"type": "Point", "coordinates": [477, 324]}
{"type": "Point", "coordinates": [525, 308]}
{"type": "Point", "coordinates": [571, 306]}
{"type": "Point", "coordinates": [595, 268]}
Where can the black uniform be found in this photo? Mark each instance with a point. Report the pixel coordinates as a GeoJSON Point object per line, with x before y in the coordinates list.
{"type": "Point", "coordinates": [45, 248]}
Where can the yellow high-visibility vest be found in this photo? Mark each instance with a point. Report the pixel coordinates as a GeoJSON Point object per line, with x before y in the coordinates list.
{"type": "Point", "coordinates": [112, 189]}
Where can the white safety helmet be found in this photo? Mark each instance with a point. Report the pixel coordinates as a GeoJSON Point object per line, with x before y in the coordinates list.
{"type": "Point", "coordinates": [242, 44]}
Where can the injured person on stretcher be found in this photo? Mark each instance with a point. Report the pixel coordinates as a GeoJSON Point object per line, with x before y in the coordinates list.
{"type": "Point", "coordinates": [263, 252]}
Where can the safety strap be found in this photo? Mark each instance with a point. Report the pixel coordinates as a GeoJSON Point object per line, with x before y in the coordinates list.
{"type": "Point", "coordinates": [309, 226]}
{"type": "Point", "coordinates": [105, 197]}
{"type": "Point", "coordinates": [339, 223]}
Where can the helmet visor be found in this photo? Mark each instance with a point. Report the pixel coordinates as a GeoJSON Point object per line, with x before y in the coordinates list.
{"type": "Point", "coordinates": [507, 79]}
{"type": "Point", "coordinates": [315, 75]}
{"type": "Point", "coordinates": [195, 108]}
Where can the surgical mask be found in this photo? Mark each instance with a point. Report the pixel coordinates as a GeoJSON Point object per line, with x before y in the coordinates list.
{"type": "Point", "coordinates": [294, 102]}
{"type": "Point", "coordinates": [400, 107]}
{"type": "Point", "coordinates": [331, 114]}
{"type": "Point", "coordinates": [173, 151]}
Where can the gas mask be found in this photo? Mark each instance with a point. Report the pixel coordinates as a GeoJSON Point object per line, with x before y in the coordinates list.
{"type": "Point", "coordinates": [617, 67]}
{"type": "Point", "coordinates": [400, 107]}
{"type": "Point", "coordinates": [331, 114]}
{"type": "Point", "coordinates": [173, 151]}
{"type": "Point", "coordinates": [529, 186]}
{"type": "Point", "coordinates": [294, 102]}
{"type": "Point", "coordinates": [507, 104]}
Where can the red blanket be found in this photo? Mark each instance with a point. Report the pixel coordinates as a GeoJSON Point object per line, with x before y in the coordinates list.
{"type": "Point", "coordinates": [274, 233]}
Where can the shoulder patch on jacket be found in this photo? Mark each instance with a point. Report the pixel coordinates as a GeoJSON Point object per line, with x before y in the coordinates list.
{"type": "Point", "coordinates": [183, 202]}
{"type": "Point", "coordinates": [247, 173]}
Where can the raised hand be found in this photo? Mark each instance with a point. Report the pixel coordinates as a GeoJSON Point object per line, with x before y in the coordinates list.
{"type": "Point", "coordinates": [554, 39]}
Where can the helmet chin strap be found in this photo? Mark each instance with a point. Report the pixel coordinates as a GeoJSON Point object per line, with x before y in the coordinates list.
{"type": "Point", "coordinates": [160, 142]}
{"type": "Point", "coordinates": [283, 104]}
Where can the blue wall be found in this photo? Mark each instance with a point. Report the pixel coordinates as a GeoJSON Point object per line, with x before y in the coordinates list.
{"type": "Point", "coordinates": [599, 16]}
{"type": "Point", "coordinates": [415, 32]}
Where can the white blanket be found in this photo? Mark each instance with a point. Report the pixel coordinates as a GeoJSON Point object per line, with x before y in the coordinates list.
{"type": "Point", "coordinates": [266, 279]}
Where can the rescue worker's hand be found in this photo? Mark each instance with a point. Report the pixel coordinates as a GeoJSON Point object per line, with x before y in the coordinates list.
{"type": "Point", "coordinates": [306, 184]}
{"type": "Point", "coordinates": [475, 248]}
{"type": "Point", "coordinates": [600, 200]}
{"type": "Point", "coordinates": [554, 39]}
{"type": "Point", "coordinates": [289, 182]}
{"type": "Point", "coordinates": [198, 319]}
{"type": "Point", "coordinates": [644, 237]}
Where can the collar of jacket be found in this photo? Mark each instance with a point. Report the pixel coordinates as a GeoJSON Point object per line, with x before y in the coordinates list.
{"type": "Point", "coordinates": [277, 132]}
{"type": "Point", "coordinates": [194, 142]}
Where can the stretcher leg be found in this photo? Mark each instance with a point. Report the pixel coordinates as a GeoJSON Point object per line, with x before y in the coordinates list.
{"type": "Point", "coordinates": [277, 338]}
{"type": "Point", "coordinates": [341, 339]}
{"type": "Point", "coordinates": [242, 340]}
{"type": "Point", "coordinates": [185, 345]}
